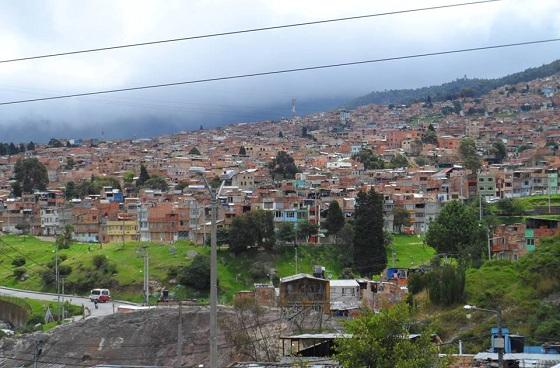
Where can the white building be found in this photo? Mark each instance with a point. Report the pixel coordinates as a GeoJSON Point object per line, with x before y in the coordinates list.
{"type": "Point", "coordinates": [50, 223]}
{"type": "Point", "coordinates": [345, 295]}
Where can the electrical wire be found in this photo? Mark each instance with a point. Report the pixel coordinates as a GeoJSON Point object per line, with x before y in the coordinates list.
{"type": "Point", "coordinates": [283, 71]}
{"type": "Point", "coordinates": [249, 30]}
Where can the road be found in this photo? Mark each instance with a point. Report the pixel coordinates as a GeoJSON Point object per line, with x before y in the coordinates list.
{"type": "Point", "coordinates": [102, 310]}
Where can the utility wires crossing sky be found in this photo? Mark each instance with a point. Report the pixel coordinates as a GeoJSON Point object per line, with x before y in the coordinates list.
{"type": "Point", "coordinates": [249, 30]}
{"type": "Point", "coordinates": [283, 71]}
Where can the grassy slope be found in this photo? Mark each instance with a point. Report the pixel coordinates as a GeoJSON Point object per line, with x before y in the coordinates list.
{"type": "Point", "coordinates": [235, 273]}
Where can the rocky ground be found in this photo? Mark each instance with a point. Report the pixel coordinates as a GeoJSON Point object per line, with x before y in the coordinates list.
{"type": "Point", "coordinates": [150, 338]}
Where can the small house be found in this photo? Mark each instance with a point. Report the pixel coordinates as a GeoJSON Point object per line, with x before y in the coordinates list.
{"type": "Point", "coordinates": [304, 290]}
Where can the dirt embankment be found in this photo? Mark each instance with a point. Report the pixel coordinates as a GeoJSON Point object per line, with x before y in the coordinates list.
{"type": "Point", "coordinates": [150, 338]}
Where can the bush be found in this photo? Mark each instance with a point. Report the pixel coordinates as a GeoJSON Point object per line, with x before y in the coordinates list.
{"type": "Point", "coordinates": [18, 261]}
{"type": "Point", "coordinates": [197, 274]}
{"type": "Point", "coordinates": [64, 270]}
{"type": "Point", "coordinates": [446, 285]}
{"type": "Point", "coordinates": [99, 261]}
{"type": "Point", "coordinates": [19, 273]}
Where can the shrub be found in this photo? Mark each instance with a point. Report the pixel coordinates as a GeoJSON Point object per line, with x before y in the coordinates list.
{"type": "Point", "coordinates": [64, 270]}
{"type": "Point", "coordinates": [19, 273]}
{"type": "Point", "coordinates": [18, 261]}
{"type": "Point", "coordinates": [99, 261]}
{"type": "Point", "coordinates": [197, 274]}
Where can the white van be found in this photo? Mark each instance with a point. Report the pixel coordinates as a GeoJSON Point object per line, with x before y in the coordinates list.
{"type": "Point", "coordinates": [101, 295]}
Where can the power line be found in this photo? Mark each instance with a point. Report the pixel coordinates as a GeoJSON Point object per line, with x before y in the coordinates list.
{"type": "Point", "coordinates": [283, 71]}
{"type": "Point", "coordinates": [249, 30]}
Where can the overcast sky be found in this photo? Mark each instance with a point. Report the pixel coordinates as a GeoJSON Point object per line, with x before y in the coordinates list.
{"type": "Point", "coordinates": [36, 27]}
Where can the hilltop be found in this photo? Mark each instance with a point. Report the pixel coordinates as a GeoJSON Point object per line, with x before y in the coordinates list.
{"type": "Point", "coordinates": [464, 87]}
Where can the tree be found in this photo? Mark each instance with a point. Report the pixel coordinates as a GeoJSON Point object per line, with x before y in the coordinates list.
{"type": "Point", "coordinates": [421, 161]}
{"type": "Point", "coordinates": [69, 163]}
{"type": "Point", "coordinates": [335, 219]}
{"type": "Point", "coordinates": [467, 150]}
{"type": "Point", "coordinates": [382, 341]}
{"type": "Point", "coordinates": [280, 134]}
{"type": "Point", "coordinates": [143, 177]}
{"type": "Point", "coordinates": [399, 161]}
{"type": "Point", "coordinates": [21, 147]}
{"type": "Point", "coordinates": [242, 151]}
{"type": "Point", "coordinates": [401, 217]}
{"type": "Point", "coordinates": [241, 234]}
{"type": "Point", "coordinates": [53, 142]}
{"type": "Point", "coordinates": [499, 150]}
{"type": "Point", "coordinates": [70, 190]}
{"type": "Point", "coordinates": [12, 149]}
{"type": "Point", "coordinates": [345, 245]}
{"type": "Point", "coordinates": [31, 174]}
{"type": "Point", "coordinates": [128, 177]}
{"type": "Point", "coordinates": [194, 151]}
{"type": "Point", "coordinates": [263, 226]}
{"type": "Point", "coordinates": [157, 183]}
{"type": "Point", "coordinates": [510, 207]}
{"type": "Point", "coordinates": [456, 230]}
{"type": "Point", "coordinates": [197, 274]}
{"type": "Point", "coordinates": [370, 160]}
{"type": "Point", "coordinates": [283, 166]}
{"type": "Point", "coordinates": [369, 248]}
{"type": "Point", "coordinates": [430, 135]}
{"type": "Point", "coordinates": [16, 189]}
{"type": "Point", "coordinates": [64, 240]}
{"type": "Point", "coordinates": [306, 229]}
{"type": "Point", "coordinates": [31, 146]}
{"type": "Point", "coordinates": [446, 285]}
{"type": "Point", "coordinates": [286, 233]}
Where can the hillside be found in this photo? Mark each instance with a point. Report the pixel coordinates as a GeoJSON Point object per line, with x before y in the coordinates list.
{"type": "Point", "coordinates": [126, 263]}
{"type": "Point", "coordinates": [465, 87]}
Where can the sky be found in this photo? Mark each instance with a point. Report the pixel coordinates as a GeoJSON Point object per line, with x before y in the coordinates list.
{"type": "Point", "coordinates": [34, 27]}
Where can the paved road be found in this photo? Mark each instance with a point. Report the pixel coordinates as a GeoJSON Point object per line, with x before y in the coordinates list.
{"type": "Point", "coordinates": [102, 310]}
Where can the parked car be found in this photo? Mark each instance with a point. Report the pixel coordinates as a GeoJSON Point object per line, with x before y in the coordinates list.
{"type": "Point", "coordinates": [101, 295]}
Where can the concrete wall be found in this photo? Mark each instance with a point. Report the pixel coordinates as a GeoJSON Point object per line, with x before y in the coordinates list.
{"type": "Point", "coordinates": [13, 313]}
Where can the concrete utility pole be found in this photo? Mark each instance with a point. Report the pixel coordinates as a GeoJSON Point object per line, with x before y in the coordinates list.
{"type": "Point", "coordinates": [499, 343]}
{"type": "Point", "coordinates": [214, 194]}
{"type": "Point", "coordinates": [180, 338]}
{"type": "Point", "coordinates": [57, 279]}
{"type": "Point", "coordinates": [146, 276]}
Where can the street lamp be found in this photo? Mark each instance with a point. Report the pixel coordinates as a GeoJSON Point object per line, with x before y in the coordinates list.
{"type": "Point", "coordinates": [499, 343]}
{"type": "Point", "coordinates": [213, 261]}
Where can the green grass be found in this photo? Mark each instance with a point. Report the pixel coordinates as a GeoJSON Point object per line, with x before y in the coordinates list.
{"type": "Point", "coordinates": [235, 272]}
{"type": "Point", "coordinates": [531, 202]}
{"type": "Point", "coordinates": [410, 251]}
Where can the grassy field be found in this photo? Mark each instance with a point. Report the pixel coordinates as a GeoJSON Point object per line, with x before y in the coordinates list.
{"type": "Point", "coordinates": [530, 202]}
{"type": "Point", "coordinates": [235, 272]}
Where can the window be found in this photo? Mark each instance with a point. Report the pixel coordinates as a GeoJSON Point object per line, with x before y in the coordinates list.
{"type": "Point", "coordinates": [290, 214]}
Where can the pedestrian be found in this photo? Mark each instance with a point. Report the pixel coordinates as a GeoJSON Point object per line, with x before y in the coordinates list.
{"type": "Point", "coordinates": [95, 303]}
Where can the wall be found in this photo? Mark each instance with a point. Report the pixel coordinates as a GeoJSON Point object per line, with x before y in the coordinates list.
{"type": "Point", "coordinates": [13, 313]}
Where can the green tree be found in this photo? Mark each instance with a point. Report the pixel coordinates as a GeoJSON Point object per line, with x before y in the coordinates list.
{"type": "Point", "coordinates": [421, 161]}
{"type": "Point", "coordinates": [21, 147]}
{"type": "Point", "coordinates": [456, 230]}
{"type": "Point", "coordinates": [128, 177]}
{"type": "Point", "coordinates": [540, 268]}
{"type": "Point", "coordinates": [31, 174]}
{"type": "Point", "coordinates": [263, 227]}
{"type": "Point", "coordinates": [370, 160]}
{"type": "Point", "coordinates": [283, 166]}
{"type": "Point", "coordinates": [510, 207]}
{"type": "Point", "coordinates": [401, 217]}
{"type": "Point", "coordinates": [242, 151]}
{"type": "Point", "coordinates": [70, 191]}
{"type": "Point", "coordinates": [446, 285]}
{"type": "Point", "coordinates": [335, 219]}
{"type": "Point", "coordinates": [70, 163]}
{"type": "Point", "coordinates": [194, 151]}
{"type": "Point", "coordinates": [64, 240]}
{"type": "Point", "coordinates": [467, 150]}
{"type": "Point", "coordinates": [241, 234]}
{"type": "Point", "coordinates": [197, 274]}
{"type": "Point", "coordinates": [12, 149]}
{"type": "Point", "coordinates": [16, 189]}
{"type": "Point", "coordinates": [143, 177]}
{"type": "Point", "coordinates": [499, 150]}
{"type": "Point", "coordinates": [280, 134]}
{"type": "Point", "coordinates": [399, 161]}
{"type": "Point", "coordinates": [345, 245]}
{"type": "Point", "coordinates": [381, 341]}
{"type": "Point", "coordinates": [286, 233]}
{"type": "Point", "coordinates": [369, 246]}
{"type": "Point", "coordinates": [157, 183]}
{"type": "Point", "coordinates": [53, 142]}
{"type": "Point", "coordinates": [306, 229]}
{"type": "Point", "coordinates": [31, 146]}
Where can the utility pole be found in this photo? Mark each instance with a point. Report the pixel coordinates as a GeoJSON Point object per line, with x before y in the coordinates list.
{"type": "Point", "coordinates": [62, 313]}
{"type": "Point", "coordinates": [146, 276]}
{"type": "Point", "coordinates": [57, 278]}
{"type": "Point", "coordinates": [501, 341]}
{"type": "Point", "coordinates": [214, 283]}
{"type": "Point", "coordinates": [296, 259]}
{"type": "Point", "coordinates": [37, 352]}
{"type": "Point", "coordinates": [180, 338]}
